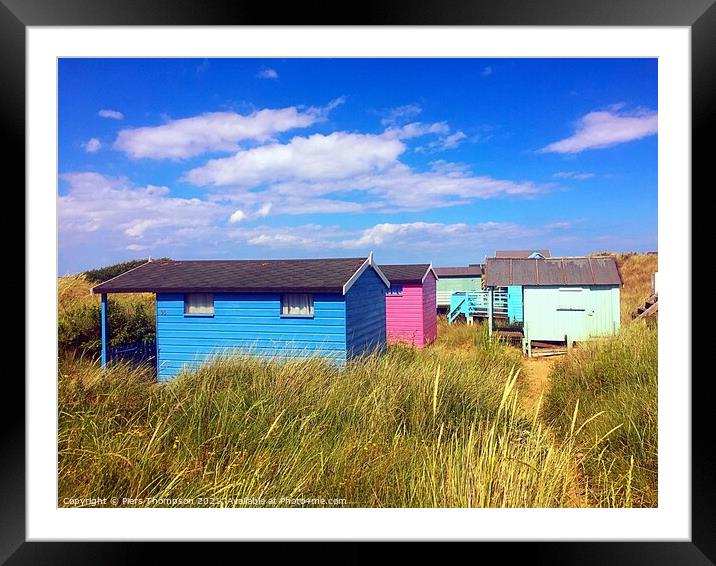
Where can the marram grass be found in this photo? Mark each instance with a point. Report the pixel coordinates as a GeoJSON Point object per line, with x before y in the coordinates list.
{"type": "Point", "coordinates": [615, 378]}
{"type": "Point", "coordinates": [439, 427]}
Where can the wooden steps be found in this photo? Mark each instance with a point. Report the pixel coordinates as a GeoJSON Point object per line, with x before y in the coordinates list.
{"type": "Point", "coordinates": [649, 308]}
{"type": "Point", "coordinates": [476, 304]}
{"type": "Point", "coordinates": [548, 353]}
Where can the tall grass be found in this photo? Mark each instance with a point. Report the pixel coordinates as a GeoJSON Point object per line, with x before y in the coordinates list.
{"type": "Point", "coordinates": [616, 379]}
{"type": "Point", "coordinates": [412, 428]}
{"type": "Point", "coordinates": [102, 274]}
{"type": "Point", "coordinates": [435, 427]}
{"type": "Point", "coordinates": [636, 270]}
{"type": "Point", "coordinates": [131, 318]}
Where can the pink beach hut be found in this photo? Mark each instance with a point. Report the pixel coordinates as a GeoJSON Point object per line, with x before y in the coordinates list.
{"type": "Point", "coordinates": [410, 307]}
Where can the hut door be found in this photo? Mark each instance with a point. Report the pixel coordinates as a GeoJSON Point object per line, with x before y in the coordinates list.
{"type": "Point", "coordinates": [574, 315]}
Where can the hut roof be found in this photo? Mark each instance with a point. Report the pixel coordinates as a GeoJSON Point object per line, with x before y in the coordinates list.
{"type": "Point", "coordinates": [469, 271]}
{"type": "Point", "coordinates": [520, 254]}
{"type": "Point", "coordinates": [408, 273]}
{"type": "Point", "coordinates": [501, 272]}
{"type": "Point", "coordinates": [245, 275]}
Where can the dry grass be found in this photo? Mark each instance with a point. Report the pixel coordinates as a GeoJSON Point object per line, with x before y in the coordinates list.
{"type": "Point", "coordinates": [412, 428]}
{"type": "Point", "coordinates": [78, 317]}
{"type": "Point", "coordinates": [636, 270]}
{"type": "Point", "coordinates": [439, 427]}
{"type": "Point", "coordinates": [74, 290]}
{"type": "Point", "coordinates": [614, 377]}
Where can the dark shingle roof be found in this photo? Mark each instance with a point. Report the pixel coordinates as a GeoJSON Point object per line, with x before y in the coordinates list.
{"type": "Point", "coordinates": [500, 272]}
{"type": "Point", "coordinates": [290, 275]}
{"type": "Point", "coordinates": [469, 271]}
{"type": "Point", "coordinates": [520, 254]}
{"type": "Point", "coordinates": [410, 273]}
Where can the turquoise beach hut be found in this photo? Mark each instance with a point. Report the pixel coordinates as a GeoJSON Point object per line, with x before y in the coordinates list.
{"type": "Point", "coordinates": [564, 299]}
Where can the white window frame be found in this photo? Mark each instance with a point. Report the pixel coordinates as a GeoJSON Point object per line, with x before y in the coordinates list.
{"type": "Point", "coordinates": [207, 298]}
{"type": "Point", "coordinates": [299, 297]}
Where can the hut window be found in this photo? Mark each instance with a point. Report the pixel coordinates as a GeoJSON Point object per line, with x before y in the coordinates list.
{"type": "Point", "coordinates": [199, 304]}
{"type": "Point", "coordinates": [297, 304]}
{"type": "Point", "coordinates": [395, 290]}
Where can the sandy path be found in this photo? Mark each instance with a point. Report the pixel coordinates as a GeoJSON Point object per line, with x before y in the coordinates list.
{"type": "Point", "coordinates": [536, 372]}
{"type": "Point", "coordinates": [536, 379]}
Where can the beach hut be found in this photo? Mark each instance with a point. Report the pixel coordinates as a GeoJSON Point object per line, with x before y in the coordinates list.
{"type": "Point", "coordinates": [332, 308]}
{"type": "Point", "coordinates": [410, 311]}
{"type": "Point", "coordinates": [456, 279]}
{"type": "Point", "coordinates": [514, 292]}
{"type": "Point", "coordinates": [566, 299]}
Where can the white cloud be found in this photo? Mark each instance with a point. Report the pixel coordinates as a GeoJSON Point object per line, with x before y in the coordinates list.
{"type": "Point", "coordinates": [452, 141]}
{"type": "Point", "coordinates": [120, 214]}
{"type": "Point", "coordinates": [304, 237]}
{"type": "Point", "coordinates": [410, 239]}
{"type": "Point", "coordinates": [417, 129]}
{"type": "Point", "coordinates": [435, 234]}
{"type": "Point", "coordinates": [606, 128]}
{"type": "Point", "coordinates": [264, 210]}
{"type": "Point", "coordinates": [336, 102]}
{"type": "Point", "coordinates": [102, 215]}
{"type": "Point", "coordinates": [450, 168]}
{"type": "Point", "coordinates": [573, 175]}
{"type": "Point", "coordinates": [345, 172]}
{"type": "Point", "coordinates": [409, 190]}
{"type": "Point", "coordinates": [240, 215]}
{"type": "Point", "coordinates": [444, 143]}
{"type": "Point", "coordinates": [215, 131]}
{"type": "Point", "coordinates": [92, 145]}
{"type": "Point", "coordinates": [267, 73]}
{"type": "Point", "coordinates": [389, 236]}
{"type": "Point", "coordinates": [237, 216]}
{"type": "Point", "coordinates": [337, 173]}
{"type": "Point", "coordinates": [113, 114]}
{"type": "Point", "coordinates": [400, 114]}
{"type": "Point", "coordinates": [293, 204]}
{"type": "Point", "coordinates": [560, 225]}
{"type": "Point", "coordinates": [317, 157]}
{"type": "Point", "coordinates": [379, 233]}
{"type": "Point", "coordinates": [280, 240]}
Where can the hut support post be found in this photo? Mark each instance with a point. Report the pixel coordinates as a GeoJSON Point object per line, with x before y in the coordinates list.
{"type": "Point", "coordinates": [526, 342]}
{"type": "Point", "coordinates": [105, 329]}
{"type": "Point", "coordinates": [489, 311]}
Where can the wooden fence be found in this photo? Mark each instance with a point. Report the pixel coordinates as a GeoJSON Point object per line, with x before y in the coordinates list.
{"type": "Point", "coordinates": [136, 352]}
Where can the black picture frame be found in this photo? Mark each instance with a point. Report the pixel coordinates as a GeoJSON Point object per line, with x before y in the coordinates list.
{"type": "Point", "coordinates": [699, 15]}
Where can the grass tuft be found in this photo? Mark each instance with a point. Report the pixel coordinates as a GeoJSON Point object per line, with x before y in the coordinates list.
{"type": "Point", "coordinates": [614, 379]}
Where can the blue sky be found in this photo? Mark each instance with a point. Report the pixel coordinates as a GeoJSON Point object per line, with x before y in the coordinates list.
{"type": "Point", "coordinates": [435, 160]}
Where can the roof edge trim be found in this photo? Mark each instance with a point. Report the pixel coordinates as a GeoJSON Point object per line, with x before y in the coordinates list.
{"type": "Point", "coordinates": [369, 262]}
{"type": "Point", "coordinates": [92, 289]}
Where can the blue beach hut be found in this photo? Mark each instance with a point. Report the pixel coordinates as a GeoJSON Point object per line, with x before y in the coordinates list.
{"type": "Point", "coordinates": [332, 308]}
